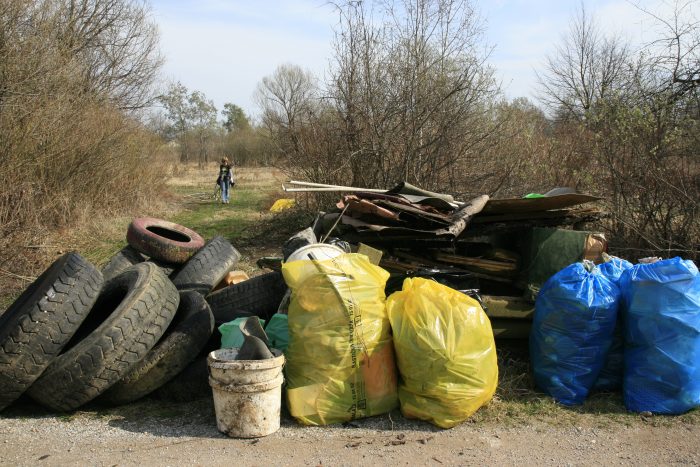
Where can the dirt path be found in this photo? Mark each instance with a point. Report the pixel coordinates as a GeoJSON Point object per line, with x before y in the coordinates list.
{"type": "Point", "coordinates": [136, 436]}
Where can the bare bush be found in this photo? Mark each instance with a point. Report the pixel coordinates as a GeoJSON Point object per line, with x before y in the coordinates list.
{"type": "Point", "coordinates": [69, 70]}
{"type": "Point", "coordinates": [248, 147]}
{"type": "Point", "coordinates": [412, 86]}
{"type": "Point", "coordinates": [587, 66]}
{"type": "Point", "coordinates": [410, 98]}
{"type": "Point", "coordinates": [640, 136]}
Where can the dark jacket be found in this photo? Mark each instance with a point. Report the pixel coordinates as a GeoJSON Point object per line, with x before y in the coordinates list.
{"type": "Point", "coordinates": [226, 174]}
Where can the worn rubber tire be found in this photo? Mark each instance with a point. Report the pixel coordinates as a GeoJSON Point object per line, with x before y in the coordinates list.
{"type": "Point", "coordinates": [35, 328]}
{"type": "Point", "coordinates": [131, 313]}
{"type": "Point", "coordinates": [123, 259]}
{"type": "Point", "coordinates": [163, 240]}
{"type": "Point", "coordinates": [207, 267]}
{"type": "Point", "coordinates": [184, 339]}
{"type": "Point", "coordinates": [127, 257]}
{"type": "Point", "coordinates": [189, 385]}
{"type": "Point", "coordinates": [260, 296]}
{"type": "Point", "coordinates": [168, 268]}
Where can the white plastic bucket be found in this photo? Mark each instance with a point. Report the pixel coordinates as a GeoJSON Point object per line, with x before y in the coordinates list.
{"type": "Point", "coordinates": [247, 393]}
{"type": "Point", "coordinates": [224, 367]}
{"type": "Point", "coordinates": [320, 251]}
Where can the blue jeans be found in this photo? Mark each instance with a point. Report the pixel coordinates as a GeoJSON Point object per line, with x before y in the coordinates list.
{"type": "Point", "coordinates": [224, 184]}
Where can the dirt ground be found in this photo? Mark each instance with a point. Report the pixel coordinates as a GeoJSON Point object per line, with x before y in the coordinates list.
{"type": "Point", "coordinates": [158, 433]}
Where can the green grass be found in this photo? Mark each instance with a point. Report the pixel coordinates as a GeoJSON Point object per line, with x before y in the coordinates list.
{"type": "Point", "coordinates": [101, 251]}
{"type": "Point", "coordinates": [211, 218]}
{"type": "Point", "coordinates": [193, 205]}
{"type": "Point", "coordinates": [517, 402]}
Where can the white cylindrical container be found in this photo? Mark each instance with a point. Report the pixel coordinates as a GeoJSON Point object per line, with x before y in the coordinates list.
{"type": "Point", "coordinates": [225, 368]}
{"type": "Point", "coordinates": [247, 393]}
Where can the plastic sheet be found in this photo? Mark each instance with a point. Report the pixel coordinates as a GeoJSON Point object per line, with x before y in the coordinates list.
{"type": "Point", "coordinates": [662, 336]}
{"type": "Point", "coordinates": [610, 377]}
{"type": "Point", "coordinates": [277, 331]}
{"type": "Point", "coordinates": [340, 358]}
{"type": "Point", "coordinates": [613, 268]}
{"type": "Point", "coordinates": [572, 330]}
{"type": "Point", "coordinates": [445, 351]}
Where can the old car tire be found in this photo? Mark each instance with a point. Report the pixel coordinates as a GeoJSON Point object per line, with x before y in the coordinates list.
{"type": "Point", "coordinates": [131, 313]}
{"type": "Point", "coordinates": [207, 267]}
{"type": "Point", "coordinates": [184, 339]}
{"type": "Point", "coordinates": [259, 296]}
{"type": "Point", "coordinates": [190, 384]}
{"type": "Point", "coordinates": [163, 240]}
{"type": "Point", "coordinates": [35, 328]}
{"type": "Point", "coordinates": [127, 257]}
{"type": "Point", "coordinates": [124, 258]}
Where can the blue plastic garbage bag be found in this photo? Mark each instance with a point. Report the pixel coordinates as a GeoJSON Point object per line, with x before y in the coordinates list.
{"type": "Point", "coordinates": [662, 336]}
{"type": "Point", "coordinates": [575, 314]}
{"type": "Point", "coordinates": [610, 377]}
{"type": "Point", "coordinates": [614, 268]}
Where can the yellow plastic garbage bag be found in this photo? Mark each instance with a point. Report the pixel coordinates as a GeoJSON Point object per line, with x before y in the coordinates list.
{"type": "Point", "coordinates": [445, 351]}
{"type": "Point", "coordinates": [282, 204]}
{"type": "Point", "coordinates": [340, 358]}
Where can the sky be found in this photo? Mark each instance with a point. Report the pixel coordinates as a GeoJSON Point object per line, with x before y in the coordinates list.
{"type": "Point", "coordinates": [224, 48]}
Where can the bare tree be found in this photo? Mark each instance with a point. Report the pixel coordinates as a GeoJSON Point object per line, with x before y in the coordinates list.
{"type": "Point", "coordinates": [413, 89]}
{"type": "Point", "coordinates": [287, 98]}
{"type": "Point", "coordinates": [635, 121]}
{"type": "Point", "coordinates": [585, 67]}
{"type": "Point", "coordinates": [193, 120]}
{"type": "Point", "coordinates": [670, 64]}
{"type": "Point", "coordinates": [115, 43]}
{"type": "Point", "coordinates": [409, 97]}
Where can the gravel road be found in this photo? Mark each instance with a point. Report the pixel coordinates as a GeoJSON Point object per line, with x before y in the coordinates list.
{"type": "Point", "coordinates": [153, 432]}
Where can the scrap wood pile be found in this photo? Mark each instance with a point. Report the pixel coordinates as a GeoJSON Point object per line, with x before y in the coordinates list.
{"type": "Point", "coordinates": [79, 334]}
{"type": "Point", "coordinates": [504, 248]}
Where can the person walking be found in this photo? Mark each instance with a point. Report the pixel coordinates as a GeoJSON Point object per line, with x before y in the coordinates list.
{"type": "Point", "coordinates": [225, 179]}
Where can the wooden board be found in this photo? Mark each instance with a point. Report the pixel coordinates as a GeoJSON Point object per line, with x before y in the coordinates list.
{"type": "Point", "coordinates": [518, 205]}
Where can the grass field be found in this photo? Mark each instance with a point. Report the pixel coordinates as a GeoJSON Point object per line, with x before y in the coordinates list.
{"type": "Point", "coordinates": [245, 222]}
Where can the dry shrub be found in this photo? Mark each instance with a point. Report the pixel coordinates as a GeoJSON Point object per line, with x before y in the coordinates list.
{"type": "Point", "coordinates": [101, 164]}
{"type": "Point", "coordinates": [247, 147]}
{"type": "Point", "coordinates": [71, 145]}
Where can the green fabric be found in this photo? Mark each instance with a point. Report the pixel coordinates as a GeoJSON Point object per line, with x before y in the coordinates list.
{"type": "Point", "coordinates": [231, 336]}
{"type": "Point", "coordinates": [547, 251]}
{"type": "Point", "coordinates": [533, 195]}
{"type": "Point", "coordinates": [277, 331]}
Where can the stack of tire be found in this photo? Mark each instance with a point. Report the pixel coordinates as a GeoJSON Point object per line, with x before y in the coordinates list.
{"type": "Point", "coordinates": [77, 333]}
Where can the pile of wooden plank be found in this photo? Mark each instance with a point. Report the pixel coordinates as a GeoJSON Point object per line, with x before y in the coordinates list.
{"type": "Point", "coordinates": [496, 246]}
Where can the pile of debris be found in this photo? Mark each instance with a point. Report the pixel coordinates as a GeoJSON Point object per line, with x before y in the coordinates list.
{"type": "Point", "coordinates": [503, 248]}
